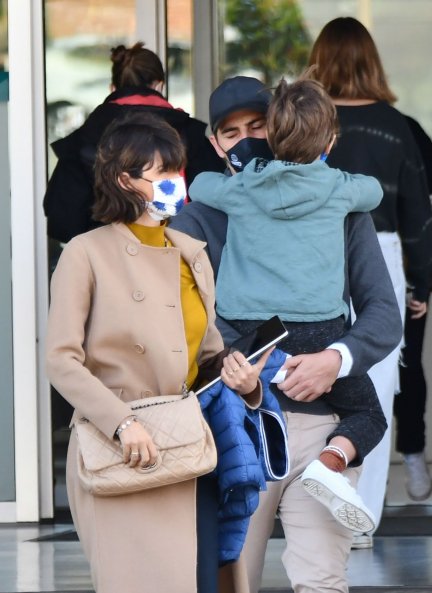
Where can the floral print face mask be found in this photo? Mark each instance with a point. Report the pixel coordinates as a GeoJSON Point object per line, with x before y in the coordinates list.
{"type": "Point", "coordinates": [168, 198]}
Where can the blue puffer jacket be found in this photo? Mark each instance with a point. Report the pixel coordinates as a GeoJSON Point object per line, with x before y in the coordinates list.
{"type": "Point", "coordinates": [252, 448]}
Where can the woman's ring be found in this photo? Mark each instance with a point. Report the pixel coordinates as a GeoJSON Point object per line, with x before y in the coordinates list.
{"type": "Point", "coordinates": [235, 370]}
{"type": "Point", "coordinates": [135, 454]}
{"type": "Point", "coordinates": [243, 364]}
{"type": "Point", "coordinates": [230, 373]}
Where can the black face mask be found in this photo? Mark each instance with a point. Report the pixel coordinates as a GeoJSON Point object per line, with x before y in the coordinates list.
{"type": "Point", "coordinates": [247, 149]}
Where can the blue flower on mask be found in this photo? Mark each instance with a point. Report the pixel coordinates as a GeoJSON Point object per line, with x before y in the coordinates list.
{"type": "Point", "coordinates": [160, 205]}
{"type": "Point", "coordinates": [167, 187]}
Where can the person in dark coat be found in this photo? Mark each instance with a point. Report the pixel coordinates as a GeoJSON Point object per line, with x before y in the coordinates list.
{"type": "Point", "coordinates": [137, 81]}
{"type": "Point", "coordinates": [409, 406]}
{"type": "Point", "coordinates": [375, 139]}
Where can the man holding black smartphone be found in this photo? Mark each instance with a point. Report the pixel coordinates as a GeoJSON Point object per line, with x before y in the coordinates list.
{"type": "Point", "coordinates": [317, 546]}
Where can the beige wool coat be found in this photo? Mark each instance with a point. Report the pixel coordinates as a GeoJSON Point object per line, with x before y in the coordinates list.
{"type": "Point", "coordinates": [115, 334]}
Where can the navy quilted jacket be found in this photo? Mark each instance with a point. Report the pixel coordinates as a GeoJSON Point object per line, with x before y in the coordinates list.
{"type": "Point", "coordinates": [252, 448]}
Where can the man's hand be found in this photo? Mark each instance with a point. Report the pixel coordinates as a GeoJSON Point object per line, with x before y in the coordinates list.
{"type": "Point", "coordinates": [310, 375]}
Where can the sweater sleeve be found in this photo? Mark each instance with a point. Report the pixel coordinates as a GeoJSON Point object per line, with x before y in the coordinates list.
{"type": "Point", "coordinates": [415, 221]}
{"type": "Point", "coordinates": [212, 189]}
{"type": "Point", "coordinates": [377, 329]}
{"type": "Point", "coordinates": [364, 193]}
{"type": "Point", "coordinates": [424, 144]}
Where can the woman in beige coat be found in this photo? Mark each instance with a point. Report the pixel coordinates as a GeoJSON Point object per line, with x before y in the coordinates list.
{"type": "Point", "coordinates": [132, 315]}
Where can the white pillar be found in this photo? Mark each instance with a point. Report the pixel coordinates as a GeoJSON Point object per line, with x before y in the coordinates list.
{"type": "Point", "coordinates": [26, 152]}
{"type": "Point", "coordinates": [151, 26]}
{"type": "Point", "coordinates": [364, 13]}
{"type": "Point", "coordinates": [204, 54]}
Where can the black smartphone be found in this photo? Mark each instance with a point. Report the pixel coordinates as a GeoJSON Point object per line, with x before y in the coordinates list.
{"type": "Point", "coordinates": [251, 345]}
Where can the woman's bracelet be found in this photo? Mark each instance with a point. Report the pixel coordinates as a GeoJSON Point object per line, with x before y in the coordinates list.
{"type": "Point", "coordinates": [125, 425]}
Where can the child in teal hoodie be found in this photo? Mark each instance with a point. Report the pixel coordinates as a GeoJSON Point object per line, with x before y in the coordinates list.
{"type": "Point", "coordinates": [284, 255]}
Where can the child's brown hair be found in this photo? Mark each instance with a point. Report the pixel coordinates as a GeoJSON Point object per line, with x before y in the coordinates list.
{"type": "Point", "coordinates": [301, 121]}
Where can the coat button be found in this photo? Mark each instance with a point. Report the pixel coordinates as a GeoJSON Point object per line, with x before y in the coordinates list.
{"type": "Point", "coordinates": [197, 266]}
{"type": "Point", "coordinates": [139, 348]}
{"type": "Point", "coordinates": [138, 295]}
{"type": "Point", "coordinates": [132, 249]}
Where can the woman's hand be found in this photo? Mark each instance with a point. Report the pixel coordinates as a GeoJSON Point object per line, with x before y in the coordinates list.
{"type": "Point", "coordinates": [418, 308]}
{"type": "Point", "coordinates": [138, 446]}
{"type": "Point", "coordinates": [239, 374]}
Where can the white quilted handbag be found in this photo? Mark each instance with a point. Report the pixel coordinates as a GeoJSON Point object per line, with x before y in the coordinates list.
{"type": "Point", "coordinates": [185, 444]}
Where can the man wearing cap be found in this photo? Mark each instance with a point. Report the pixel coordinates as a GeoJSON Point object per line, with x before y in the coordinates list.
{"type": "Point", "coordinates": [317, 546]}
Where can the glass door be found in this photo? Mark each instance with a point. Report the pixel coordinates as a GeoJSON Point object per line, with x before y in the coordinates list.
{"type": "Point", "coordinates": [272, 38]}
{"type": "Point", "coordinates": [77, 53]}
{"type": "Point", "coordinates": [179, 54]}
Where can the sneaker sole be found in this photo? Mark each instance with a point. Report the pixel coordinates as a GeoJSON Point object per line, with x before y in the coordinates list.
{"type": "Point", "coordinates": [349, 515]}
{"type": "Point", "coordinates": [362, 545]}
{"type": "Point", "coordinates": [418, 498]}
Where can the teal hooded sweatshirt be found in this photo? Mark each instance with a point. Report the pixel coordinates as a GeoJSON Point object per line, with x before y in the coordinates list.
{"type": "Point", "coordinates": [284, 253]}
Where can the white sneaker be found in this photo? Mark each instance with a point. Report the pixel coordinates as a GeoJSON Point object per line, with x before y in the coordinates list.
{"type": "Point", "coordinates": [361, 541]}
{"type": "Point", "coordinates": [418, 480]}
{"type": "Point", "coordinates": [334, 491]}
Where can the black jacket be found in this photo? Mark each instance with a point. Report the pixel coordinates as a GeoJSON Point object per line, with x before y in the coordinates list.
{"type": "Point", "coordinates": [69, 196]}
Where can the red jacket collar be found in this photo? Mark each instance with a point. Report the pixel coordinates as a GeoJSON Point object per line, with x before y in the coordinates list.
{"type": "Point", "coordinates": [151, 100]}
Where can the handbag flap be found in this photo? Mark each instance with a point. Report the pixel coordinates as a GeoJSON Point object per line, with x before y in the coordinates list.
{"type": "Point", "coordinates": [172, 421]}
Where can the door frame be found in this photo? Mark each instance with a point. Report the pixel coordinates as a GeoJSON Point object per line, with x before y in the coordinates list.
{"type": "Point", "coordinates": [29, 256]}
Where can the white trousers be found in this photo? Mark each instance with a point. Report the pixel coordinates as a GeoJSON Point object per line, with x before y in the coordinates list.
{"type": "Point", "coordinates": [385, 376]}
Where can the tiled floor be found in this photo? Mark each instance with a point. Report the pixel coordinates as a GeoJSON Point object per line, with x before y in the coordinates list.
{"type": "Point", "coordinates": [393, 563]}
{"type": "Point", "coordinates": [28, 566]}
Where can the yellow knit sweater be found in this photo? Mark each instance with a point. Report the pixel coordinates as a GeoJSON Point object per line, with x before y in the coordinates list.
{"type": "Point", "coordinates": [194, 313]}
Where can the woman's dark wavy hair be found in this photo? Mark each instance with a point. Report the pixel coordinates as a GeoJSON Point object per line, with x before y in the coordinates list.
{"type": "Point", "coordinates": [348, 63]}
{"type": "Point", "coordinates": [130, 145]}
{"type": "Point", "coordinates": [136, 66]}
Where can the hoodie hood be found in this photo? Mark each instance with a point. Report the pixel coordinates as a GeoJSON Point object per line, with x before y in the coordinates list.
{"type": "Point", "coordinates": [287, 190]}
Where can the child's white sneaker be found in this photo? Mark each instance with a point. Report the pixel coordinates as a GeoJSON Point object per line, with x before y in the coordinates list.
{"type": "Point", "coordinates": [333, 490]}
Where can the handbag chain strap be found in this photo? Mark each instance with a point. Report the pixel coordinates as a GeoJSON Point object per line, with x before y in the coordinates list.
{"type": "Point", "coordinates": [185, 394]}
